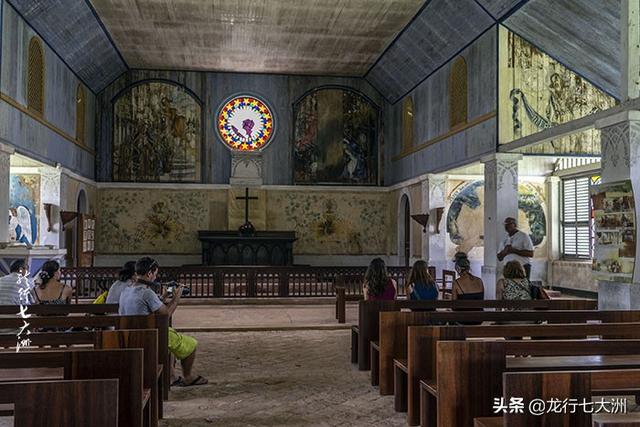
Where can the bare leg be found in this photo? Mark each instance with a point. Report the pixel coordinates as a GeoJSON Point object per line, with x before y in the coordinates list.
{"type": "Point", "coordinates": [187, 366]}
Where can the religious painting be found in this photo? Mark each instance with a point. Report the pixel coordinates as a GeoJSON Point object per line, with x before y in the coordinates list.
{"type": "Point", "coordinates": [24, 205]}
{"type": "Point", "coordinates": [538, 93]}
{"type": "Point", "coordinates": [614, 251]}
{"type": "Point", "coordinates": [335, 138]}
{"type": "Point", "coordinates": [245, 123]}
{"type": "Point", "coordinates": [331, 223]}
{"type": "Point", "coordinates": [465, 217]}
{"type": "Point", "coordinates": [156, 134]}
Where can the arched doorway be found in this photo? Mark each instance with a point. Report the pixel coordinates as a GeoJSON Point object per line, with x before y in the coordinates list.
{"type": "Point", "coordinates": [404, 231]}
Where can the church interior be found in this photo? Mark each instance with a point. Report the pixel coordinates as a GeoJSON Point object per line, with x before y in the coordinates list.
{"type": "Point", "coordinates": [363, 213]}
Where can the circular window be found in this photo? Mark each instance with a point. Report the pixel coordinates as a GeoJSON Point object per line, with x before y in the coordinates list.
{"type": "Point", "coordinates": [245, 123]}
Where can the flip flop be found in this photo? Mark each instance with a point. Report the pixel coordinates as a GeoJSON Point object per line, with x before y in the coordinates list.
{"type": "Point", "coordinates": [199, 380]}
{"type": "Point", "coordinates": [177, 381]}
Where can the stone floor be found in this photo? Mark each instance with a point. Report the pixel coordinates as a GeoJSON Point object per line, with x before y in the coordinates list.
{"type": "Point", "coordinates": [279, 378]}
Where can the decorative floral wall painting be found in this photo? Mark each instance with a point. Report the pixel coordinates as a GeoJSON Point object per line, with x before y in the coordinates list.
{"type": "Point", "coordinates": [156, 134]}
{"type": "Point", "coordinates": [465, 217]}
{"type": "Point", "coordinates": [335, 138]}
{"type": "Point", "coordinates": [615, 231]}
{"type": "Point", "coordinates": [24, 205]}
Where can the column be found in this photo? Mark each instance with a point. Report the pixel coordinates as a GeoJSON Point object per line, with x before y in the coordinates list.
{"type": "Point", "coordinates": [620, 139]}
{"type": "Point", "coordinates": [630, 38]}
{"type": "Point", "coordinates": [5, 171]}
{"type": "Point", "coordinates": [553, 224]}
{"type": "Point", "coordinates": [433, 243]}
{"type": "Point", "coordinates": [500, 202]}
{"type": "Point", "coordinates": [50, 186]}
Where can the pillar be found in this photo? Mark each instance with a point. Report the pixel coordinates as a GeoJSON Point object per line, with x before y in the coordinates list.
{"type": "Point", "coordinates": [553, 224]}
{"type": "Point", "coordinates": [50, 186]}
{"type": "Point", "coordinates": [434, 244]}
{"type": "Point", "coordinates": [500, 202]}
{"type": "Point", "coordinates": [5, 171]}
{"type": "Point", "coordinates": [620, 139]}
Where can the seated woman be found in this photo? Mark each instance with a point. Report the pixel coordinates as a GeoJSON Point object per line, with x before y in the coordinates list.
{"type": "Point", "coordinates": [48, 288]}
{"type": "Point", "coordinates": [377, 283]}
{"type": "Point", "coordinates": [421, 284]}
{"type": "Point", "coordinates": [466, 286]}
{"type": "Point", "coordinates": [126, 277]}
{"type": "Point", "coordinates": [514, 285]}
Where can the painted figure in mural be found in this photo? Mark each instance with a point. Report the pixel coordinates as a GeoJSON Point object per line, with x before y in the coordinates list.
{"type": "Point", "coordinates": [20, 226]}
{"type": "Point", "coordinates": [355, 167]}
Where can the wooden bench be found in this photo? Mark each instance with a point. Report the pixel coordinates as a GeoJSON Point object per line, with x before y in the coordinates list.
{"type": "Point", "coordinates": [369, 311]}
{"type": "Point", "coordinates": [422, 345]}
{"type": "Point", "coordinates": [62, 309]}
{"type": "Point", "coordinates": [159, 322]}
{"type": "Point", "coordinates": [125, 365]}
{"type": "Point", "coordinates": [341, 303]}
{"type": "Point", "coordinates": [393, 328]}
{"type": "Point", "coordinates": [469, 373]}
{"type": "Point", "coordinates": [99, 399]}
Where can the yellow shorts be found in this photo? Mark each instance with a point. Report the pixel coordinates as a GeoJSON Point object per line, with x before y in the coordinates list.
{"type": "Point", "coordinates": [181, 346]}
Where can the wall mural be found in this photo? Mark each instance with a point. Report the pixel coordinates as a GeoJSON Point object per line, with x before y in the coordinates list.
{"type": "Point", "coordinates": [331, 223]}
{"type": "Point", "coordinates": [24, 206]}
{"type": "Point", "coordinates": [335, 138]}
{"type": "Point", "coordinates": [156, 134]}
{"type": "Point", "coordinates": [537, 93]}
{"type": "Point", "coordinates": [465, 217]}
{"type": "Point", "coordinates": [156, 222]}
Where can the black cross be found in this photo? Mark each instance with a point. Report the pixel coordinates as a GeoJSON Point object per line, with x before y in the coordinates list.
{"type": "Point", "coordinates": [246, 199]}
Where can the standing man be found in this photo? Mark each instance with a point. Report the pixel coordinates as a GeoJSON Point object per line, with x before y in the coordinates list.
{"type": "Point", "coordinates": [517, 246]}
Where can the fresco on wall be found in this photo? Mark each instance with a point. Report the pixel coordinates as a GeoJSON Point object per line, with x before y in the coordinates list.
{"type": "Point", "coordinates": [331, 223]}
{"type": "Point", "coordinates": [537, 93]}
{"type": "Point", "coordinates": [465, 217]}
{"type": "Point", "coordinates": [24, 205]}
{"type": "Point", "coordinates": [156, 134]}
{"type": "Point", "coordinates": [151, 222]}
{"type": "Point", "coordinates": [335, 138]}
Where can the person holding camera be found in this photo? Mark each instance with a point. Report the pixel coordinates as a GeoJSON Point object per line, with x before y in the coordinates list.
{"type": "Point", "coordinates": [141, 299]}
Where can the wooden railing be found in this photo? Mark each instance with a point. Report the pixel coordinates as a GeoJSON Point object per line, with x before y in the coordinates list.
{"type": "Point", "coordinates": [237, 282]}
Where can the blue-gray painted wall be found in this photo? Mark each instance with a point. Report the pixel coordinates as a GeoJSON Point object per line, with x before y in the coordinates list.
{"type": "Point", "coordinates": [29, 136]}
{"type": "Point", "coordinates": [431, 117]}
{"type": "Point", "coordinates": [279, 91]}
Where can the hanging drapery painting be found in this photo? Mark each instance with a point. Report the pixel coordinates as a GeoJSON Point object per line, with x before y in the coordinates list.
{"type": "Point", "coordinates": [156, 134]}
{"type": "Point", "coordinates": [335, 138]}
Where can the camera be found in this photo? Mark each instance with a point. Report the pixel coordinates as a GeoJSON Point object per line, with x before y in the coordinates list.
{"type": "Point", "coordinates": [171, 288]}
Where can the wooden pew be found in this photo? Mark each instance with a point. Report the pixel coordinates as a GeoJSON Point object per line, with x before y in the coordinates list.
{"type": "Point", "coordinates": [341, 303]}
{"type": "Point", "coordinates": [393, 328]}
{"type": "Point", "coordinates": [146, 339]}
{"type": "Point", "coordinates": [61, 310]}
{"type": "Point", "coordinates": [51, 403]}
{"type": "Point", "coordinates": [125, 365]}
{"type": "Point", "coordinates": [369, 311]}
{"type": "Point", "coordinates": [469, 373]}
{"type": "Point", "coordinates": [159, 322]}
{"type": "Point", "coordinates": [563, 385]}
{"type": "Point", "coordinates": [422, 342]}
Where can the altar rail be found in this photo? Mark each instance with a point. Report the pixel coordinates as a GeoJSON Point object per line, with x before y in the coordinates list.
{"type": "Point", "coordinates": [235, 282]}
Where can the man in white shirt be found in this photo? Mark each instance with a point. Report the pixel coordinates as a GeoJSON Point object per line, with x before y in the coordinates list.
{"type": "Point", "coordinates": [517, 246]}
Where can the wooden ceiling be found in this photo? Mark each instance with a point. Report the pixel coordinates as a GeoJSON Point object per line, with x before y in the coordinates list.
{"type": "Point", "coordinates": [323, 37]}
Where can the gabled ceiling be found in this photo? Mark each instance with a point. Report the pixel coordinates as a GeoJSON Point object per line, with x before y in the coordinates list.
{"type": "Point", "coordinates": [75, 34]}
{"type": "Point", "coordinates": [583, 35]}
{"type": "Point", "coordinates": [323, 37]}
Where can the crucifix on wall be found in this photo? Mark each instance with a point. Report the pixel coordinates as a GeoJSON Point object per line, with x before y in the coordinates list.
{"type": "Point", "coordinates": [247, 229]}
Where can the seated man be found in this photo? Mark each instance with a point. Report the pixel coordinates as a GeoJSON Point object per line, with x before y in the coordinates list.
{"type": "Point", "coordinates": [11, 284]}
{"type": "Point", "coordinates": [141, 299]}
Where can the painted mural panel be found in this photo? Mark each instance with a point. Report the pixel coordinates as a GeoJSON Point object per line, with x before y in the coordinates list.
{"type": "Point", "coordinates": [537, 93]}
{"type": "Point", "coordinates": [156, 134]}
{"type": "Point", "coordinates": [335, 138]}
{"type": "Point", "coordinates": [24, 208]}
{"type": "Point", "coordinates": [465, 217]}
{"type": "Point", "coordinates": [130, 221]}
{"type": "Point", "coordinates": [331, 223]}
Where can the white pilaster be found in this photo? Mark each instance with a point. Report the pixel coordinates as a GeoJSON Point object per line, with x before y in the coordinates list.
{"type": "Point", "coordinates": [434, 244]}
{"type": "Point", "coordinates": [5, 170]}
{"type": "Point", "coordinates": [553, 224]}
{"type": "Point", "coordinates": [50, 186]}
{"type": "Point", "coordinates": [630, 34]}
{"type": "Point", "coordinates": [500, 202]}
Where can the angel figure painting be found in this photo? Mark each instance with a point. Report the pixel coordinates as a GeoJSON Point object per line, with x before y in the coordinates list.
{"type": "Point", "coordinates": [24, 204]}
{"type": "Point", "coordinates": [335, 138]}
{"type": "Point", "coordinates": [156, 134]}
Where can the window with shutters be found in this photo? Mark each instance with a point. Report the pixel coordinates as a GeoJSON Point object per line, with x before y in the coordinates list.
{"type": "Point", "coordinates": [80, 106]}
{"type": "Point", "coordinates": [35, 76]}
{"type": "Point", "coordinates": [577, 220]}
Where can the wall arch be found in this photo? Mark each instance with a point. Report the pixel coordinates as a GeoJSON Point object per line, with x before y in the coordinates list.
{"type": "Point", "coordinates": [405, 233]}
